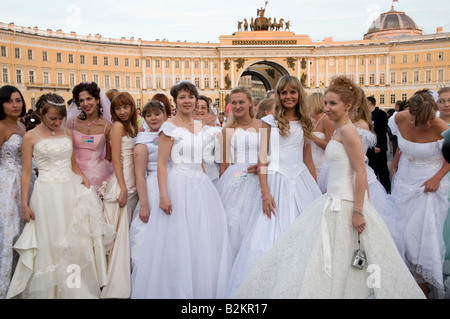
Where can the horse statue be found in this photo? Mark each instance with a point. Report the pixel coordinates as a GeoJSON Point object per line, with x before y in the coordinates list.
{"type": "Point", "coordinates": [239, 25]}
{"type": "Point", "coordinates": [252, 25]}
{"type": "Point", "coordinates": [245, 24]}
{"type": "Point", "coordinates": [281, 24]}
{"type": "Point", "coordinates": [288, 25]}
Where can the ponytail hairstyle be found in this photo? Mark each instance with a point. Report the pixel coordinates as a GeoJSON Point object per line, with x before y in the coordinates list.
{"type": "Point", "coordinates": [301, 110]}
{"type": "Point", "coordinates": [422, 105]}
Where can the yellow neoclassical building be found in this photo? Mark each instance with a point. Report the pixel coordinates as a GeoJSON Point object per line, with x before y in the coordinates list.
{"type": "Point", "coordinates": [391, 61]}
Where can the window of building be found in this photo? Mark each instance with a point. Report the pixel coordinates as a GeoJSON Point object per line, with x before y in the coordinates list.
{"type": "Point", "coordinates": [107, 83]}
{"type": "Point", "coordinates": [416, 76]}
{"type": "Point", "coordinates": [404, 58]}
{"type": "Point", "coordinates": [216, 83]}
{"type": "Point", "coordinates": [428, 76]}
{"type": "Point", "coordinates": [59, 57]}
{"type": "Point", "coordinates": [382, 99]}
{"type": "Point", "coordinates": [416, 58]}
{"type": "Point", "coordinates": [206, 64]}
{"type": "Point", "coordinates": [138, 82]}
{"type": "Point", "coordinates": [117, 82]}
{"type": "Point", "coordinates": [137, 63]}
{"type": "Point", "coordinates": [428, 57]}
{"type": "Point", "coordinates": [17, 53]}
{"type": "Point", "coordinates": [393, 77]}
{"type": "Point", "coordinates": [393, 100]}
{"type": "Point", "coordinates": [5, 76]}
{"type": "Point", "coordinates": [60, 78]}
{"type": "Point", "coordinates": [382, 78]}
{"type": "Point", "coordinates": [167, 63]}
{"type": "Point", "coordinates": [105, 61]}
{"type": "Point", "coordinates": [127, 82]}
{"type": "Point", "coordinates": [361, 79]}
{"type": "Point", "coordinates": [116, 61]}
{"type": "Point", "coordinates": [372, 78]}
{"type": "Point", "coordinates": [393, 59]}
{"type": "Point", "coordinates": [95, 60]}
{"type": "Point", "coordinates": [168, 81]}
{"type": "Point", "coordinates": [46, 77]}
{"type": "Point", "coordinates": [138, 103]}
{"type": "Point", "coordinates": [441, 56]}
{"type": "Point", "coordinates": [31, 76]}
{"type": "Point", "coordinates": [71, 58]}
{"type": "Point", "coordinates": [30, 54]}
{"type": "Point", "coordinates": [157, 63]}
{"type": "Point", "coordinates": [19, 76]}
{"type": "Point", "coordinates": [3, 51]}
{"type": "Point", "coordinates": [216, 64]}
{"type": "Point", "coordinates": [197, 81]}
{"type": "Point", "coordinates": [72, 80]}
{"type": "Point", "coordinates": [158, 81]}
{"type": "Point", "coordinates": [82, 59]}
{"type": "Point", "coordinates": [148, 63]}
{"type": "Point", "coordinates": [96, 78]}
{"type": "Point", "coordinates": [148, 80]}
{"type": "Point", "coordinates": [83, 77]}
{"type": "Point", "coordinates": [404, 97]}
{"type": "Point", "coordinates": [177, 64]}
{"type": "Point", "coordinates": [382, 59]}
{"type": "Point", "coordinates": [186, 64]}
{"type": "Point", "coordinates": [404, 77]}
{"type": "Point", "coordinates": [440, 74]}
{"type": "Point", "coordinates": [45, 56]}
{"type": "Point", "coordinates": [206, 79]}
{"type": "Point", "coordinates": [127, 62]}
{"type": "Point", "coordinates": [177, 78]}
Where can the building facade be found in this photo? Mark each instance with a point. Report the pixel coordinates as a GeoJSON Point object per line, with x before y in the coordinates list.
{"type": "Point", "coordinates": [392, 61]}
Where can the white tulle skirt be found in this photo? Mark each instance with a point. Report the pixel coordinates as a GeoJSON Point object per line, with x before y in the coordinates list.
{"type": "Point", "coordinates": [291, 196]}
{"type": "Point", "coordinates": [185, 255]}
{"type": "Point", "coordinates": [313, 259]}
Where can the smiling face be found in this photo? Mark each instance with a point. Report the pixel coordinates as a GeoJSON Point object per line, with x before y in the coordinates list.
{"type": "Point", "coordinates": [335, 108]}
{"type": "Point", "coordinates": [185, 102]}
{"type": "Point", "coordinates": [289, 97]}
{"type": "Point", "coordinates": [201, 110]}
{"type": "Point", "coordinates": [154, 119]}
{"type": "Point", "coordinates": [88, 103]}
{"type": "Point", "coordinates": [240, 105]}
{"type": "Point", "coordinates": [13, 107]}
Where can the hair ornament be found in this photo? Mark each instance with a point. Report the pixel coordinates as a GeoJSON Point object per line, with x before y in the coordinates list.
{"type": "Point", "coordinates": [56, 104]}
{"type": "Point", "coordinates": [350, 87]}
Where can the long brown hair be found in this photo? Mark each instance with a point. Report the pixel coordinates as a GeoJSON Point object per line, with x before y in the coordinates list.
{"type": "Point", "coordinates": [363, 112]}
{"type": "Point", "coordinates": [125, 98]}
{"type": "Point", "coordinates": [301, 110]}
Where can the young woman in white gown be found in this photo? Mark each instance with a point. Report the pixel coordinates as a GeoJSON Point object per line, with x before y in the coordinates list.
{"type": "Point", "coordinates": [361, 117]}
{"type": "Point", "coordinates": [287, 177]}
{"type": "Point", "coordinates": [12, 107]}
{"type": "Point", "coordinates": [416, 209]}
{"type": "Point", "coordinates": [145, 163]}
{"type": "Point", "coordinates": [323, 128]}
{"type": "Point", "coordinates": [62, 247]}
{"type": "Point", "coordinates": [313, 259]}
{"type": "Point", "coordinates": [119, 194]}
{"type": "Point", "coordinates": [187, 247]}
{"type": "Point", "coordinates": [238, 185]}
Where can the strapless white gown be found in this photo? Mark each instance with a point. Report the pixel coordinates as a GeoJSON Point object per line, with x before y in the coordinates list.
{"type": "Point", "coordinates": [313, 258]}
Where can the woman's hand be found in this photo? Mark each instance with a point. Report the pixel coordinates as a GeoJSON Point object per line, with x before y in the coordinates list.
{"type": "Point", "coordinates": [86, 182]}
{"type": "Point", "coordinates": [123, 198]}
{"type": "Point", "coordinates": [27, 214]}
{"type": "Point", "coordinates": [253, 169]}
{"type": "Point", "coordinates": [269, 207]}
{"type": "Point", "coordinates": [359, 222]}
{"type": "Point", "coordinates": [144, 214]}
{"type": "Point", "coordinates": [165, 205]}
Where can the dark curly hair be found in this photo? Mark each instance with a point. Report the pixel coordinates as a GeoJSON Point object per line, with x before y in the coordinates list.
{"type": "Point", "coordinates": [94, 90]}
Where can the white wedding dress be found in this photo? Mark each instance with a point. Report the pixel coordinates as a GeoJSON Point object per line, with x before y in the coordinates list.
{"type": "Point", "coordinates": [313, 257]}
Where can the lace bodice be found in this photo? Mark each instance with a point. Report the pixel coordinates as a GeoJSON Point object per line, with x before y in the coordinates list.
{"type": "Point", "coordinates": [245, 147]}
{"type": "Point", "coordinates": [11, 154]}
{"type": "Point", "coordinates": [286, 153]}
{"type": "Point", "coordinates": [341, 174]}
{"type": "Point", "coordinates": [369, 139]}
{"type": "Point", "coordinates": [53, 157]}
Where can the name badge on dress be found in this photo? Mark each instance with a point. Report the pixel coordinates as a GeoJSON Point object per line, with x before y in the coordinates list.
{"type": "Point", "coordinates": [240, 175]}
{"type": "Point", "coordinates": [87, 139]}
{"type": "Point", "coordinates": [156, 140]}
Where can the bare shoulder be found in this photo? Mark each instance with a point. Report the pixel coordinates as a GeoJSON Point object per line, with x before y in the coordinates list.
{"type": "Point", "coordinates": [362, 125]}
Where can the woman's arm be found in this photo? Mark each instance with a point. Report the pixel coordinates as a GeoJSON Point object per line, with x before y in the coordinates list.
{"type": "Point", "coordinates": [353, 147]}
{"type": "Point", "coordinates": [269, 206]}
{"type": "Point", "coordinates": [116, 135]}
{"type": "Point", "coordinates": [27, 155]}
{"type": "Point", "coordinates": [108, 142]}
{"type": "Point", "coordinates": [328, 128]}
{"type": "Point", "coordinates": [225, 146]}
{"type": "Point", "coordinates": [140, 168]}
{"type": "Point", "coordinates": [308, 160]}
{"type": "Point", "coordinates": [164, 149]}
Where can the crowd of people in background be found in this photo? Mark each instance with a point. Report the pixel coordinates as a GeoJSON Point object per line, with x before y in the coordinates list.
{"type": "Point", "coordinates": [287, 196]}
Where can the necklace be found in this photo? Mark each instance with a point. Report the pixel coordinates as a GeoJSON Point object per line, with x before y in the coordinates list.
{"type": "Point", "coordinates": [52, 131]}
{"type": "Point", "coordinates": [339, 127]}
{"type": "Point", "coordinates": [244, 124]}
{"type": "Point", "coordinates": [90, 123]}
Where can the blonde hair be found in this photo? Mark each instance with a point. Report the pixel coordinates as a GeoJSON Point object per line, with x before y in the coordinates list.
{"type": "Point", "coordinates": [347, 90]}
{"type": "Point", "coordinates": [266, 104]}
{"type": "Point", "coordinates": [231, 121]}
{"type": "Point", "coordinates": [315, 103]}
{"type": "Point", "coordinates": [363, 113]}
{"type": "Point", "coordinates": [421, 105]}
{"type": "Point", "coordinates": [301, 110]}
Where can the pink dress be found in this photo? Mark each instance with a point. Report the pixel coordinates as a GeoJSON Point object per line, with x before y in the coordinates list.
{"type": "Point", "coordinates": [89, 151]}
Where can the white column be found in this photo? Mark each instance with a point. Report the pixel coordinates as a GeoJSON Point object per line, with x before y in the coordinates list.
{"type": "Point", "coordinates": [183, 65]}
{"type": "Point", "coordinates": [298, 68]}
{"type": "Point", "coordinates": [221, 74]}
{"type": "Point", "coordinates": [172, 61]}
{"type": "Point", "coordinates": [366, 76]}
{"type": "Point", "coordinates": [377, 77]}
{"type": "Point", "coordinates": [211, 80]}
{"type": "Point", "coordinates": [317, 73]}
{"type": "Point", "coordinates": [232, 73]}
{"type": "Point", "coordinates": [388, 72]}
{"type": "Point", "coordinates": [192, 70]}
{"type": "Point", "coordinates": [144, 77]}
{"type": "Point", "coordinates": [308, 72]}
{"type": "Point", "coordinates": [326, 71]}
{"type": "Point", "coordinates": [153, 72]}
{"type": "Point", "coordinates": [336, 62]}
{"type": "Point", "coordinates": [346, 65]}
{"type": "Point", "coordinates": [356, 70]}
{"type": "Point", "coordinates": [202, 80]}
{"type": "Point", "coordinates": [163, 66]}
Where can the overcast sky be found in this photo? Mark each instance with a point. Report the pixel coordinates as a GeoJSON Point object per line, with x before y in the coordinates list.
{"type": "Point", "coordinates": [205, 20]}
